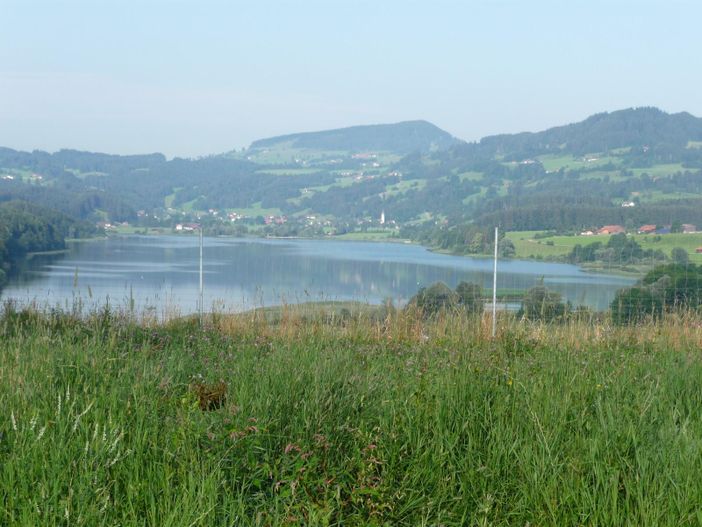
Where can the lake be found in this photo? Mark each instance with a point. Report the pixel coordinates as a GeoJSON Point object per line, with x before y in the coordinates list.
{"type": "Point", "coordinates": [160, 273]}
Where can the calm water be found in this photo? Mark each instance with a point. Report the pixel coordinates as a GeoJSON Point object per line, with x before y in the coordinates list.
{"type": "Point", "coordinates": [161, 274]}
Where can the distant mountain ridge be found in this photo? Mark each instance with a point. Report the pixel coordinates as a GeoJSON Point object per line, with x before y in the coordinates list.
{"type": "Point", "coordinates": [646, 126]}
{"type": "Point", "coordinates": [402, 138]}
{"type": "Point", "coordinates": [411, 171]}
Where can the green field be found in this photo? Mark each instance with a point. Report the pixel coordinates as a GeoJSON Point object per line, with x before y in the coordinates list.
{"type": "Point", "coordinates": [256, 210]}
{"type": "Point", "coordinates": [130, 229]}
{"type": "Point", "coordinates": [653, 196]}
{"type": "Point", "coordinates": [285, 153]}
{"type": "Point", "coordinates": [83, 175]}
{"type": "Point", "coordinates": [612, 175]}
{"type": "Point", "coordinates": [555, 162]}
{"type": "Point", "coordinates": [471, 176]}
{"type": "Point", "coordinates": [18, 175]}
{"type": "Point", "coordinates": [340, 182]}
{"type": "Point", "coordinates": [667, 242]}
{"type": "Point", "coordinates": [659, 170]}
{"type": "Point", "coordinates": [529, 247]}
{"type": "Point", "coordinates": [348, 421]}
{"type": "Point", "coordinates": [404, 186]}
{"type": "Point", "coordinates": [289, 171]}
{"type": "Point", "coordinates": [366, 236]}
{"type": "Point", "coordinates": [168, 200]}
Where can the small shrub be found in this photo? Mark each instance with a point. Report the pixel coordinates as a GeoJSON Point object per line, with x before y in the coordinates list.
{"type": "Point", "coordinates": [541, 304]}
{"type": "Point", "coordinates": [470, 297]}
{"type": "Point", "coordinates": [435, 298]}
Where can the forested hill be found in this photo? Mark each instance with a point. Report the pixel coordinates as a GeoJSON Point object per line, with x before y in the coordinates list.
{"type": "Point", "coordinates": [602, 132]}
{"type": "Point", "coordinates": [77, 161]}
{"type": "Point", "coordinates": [401, 138]}
{"type": "Point", "coordinates": [407, 173]}
{"type": "Point", "coordinates": [25, 228]}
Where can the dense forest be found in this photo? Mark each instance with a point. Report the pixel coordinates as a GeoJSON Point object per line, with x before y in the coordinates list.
{"type": "Point", "coordinates": [27, 228]}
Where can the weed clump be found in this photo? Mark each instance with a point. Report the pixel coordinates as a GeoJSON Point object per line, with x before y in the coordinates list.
{"type": "Point", "coordinates": [210, 396]}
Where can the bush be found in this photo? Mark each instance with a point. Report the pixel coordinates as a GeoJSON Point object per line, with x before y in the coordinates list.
{"type": "Point", "coordinates": [681, 287]}
{"type": "Point", "coordinates": [430, 300]}
{"type": "Point", "coordinates": [541, 304]}
{"type": "Point", "coordinates": [634, 304]}
{"type": "Point", "coordinates": [470, 297]}
{"type": "Point", "coordinates": [506, 248]}
{"type": "Point", "coordinates": [665, 288]}
{"type": "Point", "coordinates": [680, 256]}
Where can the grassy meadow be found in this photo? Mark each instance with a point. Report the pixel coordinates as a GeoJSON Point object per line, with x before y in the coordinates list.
{"type": "Point", "coordinates": [349, 419]}
{"type": "Point", "coordinates": [527, 246]}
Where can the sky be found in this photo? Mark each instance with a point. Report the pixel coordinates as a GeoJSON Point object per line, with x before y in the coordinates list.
{"type": "Point", "coordinates": [193, 78]}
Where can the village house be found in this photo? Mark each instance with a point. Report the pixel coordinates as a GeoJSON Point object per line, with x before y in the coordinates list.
{"type": "Point", "coordinates": [647, 229]}
{"type": "Point", "coordinates": [187, 227]}
{"type": "Point", "coordinates": [277, 220]}
{"type": "Point", "coordinates": [689, 228]}
{"type": "Point", "coordinates": [611, 229]}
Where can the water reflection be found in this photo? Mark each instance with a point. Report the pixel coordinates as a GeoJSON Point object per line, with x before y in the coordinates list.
{"type": "Point", "coordinates": [161, 273]}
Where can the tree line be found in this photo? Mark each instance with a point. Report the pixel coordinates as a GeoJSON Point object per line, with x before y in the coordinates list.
{"type": "Point", "coordinates": [26, 228]}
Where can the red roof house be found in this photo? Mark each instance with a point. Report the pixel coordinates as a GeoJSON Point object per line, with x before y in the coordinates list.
{"type": "Point", "coordinates": [611, 229]}
{"type": "Point", "coordinates": [647, 229]}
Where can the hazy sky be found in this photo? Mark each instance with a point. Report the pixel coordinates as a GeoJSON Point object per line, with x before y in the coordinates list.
{"type": "Point", "coordinates": [199, 77]}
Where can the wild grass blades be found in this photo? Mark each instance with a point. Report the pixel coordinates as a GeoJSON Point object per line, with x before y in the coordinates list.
{"type": "Point", "coordinates": [357, 419]}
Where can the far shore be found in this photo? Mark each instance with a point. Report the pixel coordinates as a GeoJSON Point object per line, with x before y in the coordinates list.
{"type": "Point", "coordinates": [595, 267]}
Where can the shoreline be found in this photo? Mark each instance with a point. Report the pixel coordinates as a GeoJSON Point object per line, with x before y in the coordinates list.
{"type": "Point", "coordinates": [590, 269]}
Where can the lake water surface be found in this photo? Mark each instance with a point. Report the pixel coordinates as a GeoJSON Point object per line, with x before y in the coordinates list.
{"type": "Point", "coordinates": [160, 273]}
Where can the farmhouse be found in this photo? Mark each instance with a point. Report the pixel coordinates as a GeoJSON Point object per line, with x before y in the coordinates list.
{"type": "Point", "coordinates": [187, 227]}
{"type": "Point", "coordinates": [689, 228]}
{"type": "Point", "coordinates": [611, 229]}
{"type": "Point", "coordinates": [647, 229]}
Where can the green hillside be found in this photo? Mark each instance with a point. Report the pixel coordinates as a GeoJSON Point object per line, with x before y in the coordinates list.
{"type": "Point", "coordinates": [602, 132]}
{"type": "Point", "coordinates": [401, 138]}
{"type": "Point", "coordinates": [566, 178]}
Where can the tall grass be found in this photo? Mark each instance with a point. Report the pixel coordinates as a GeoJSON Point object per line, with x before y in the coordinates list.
{"type": "Point", "coordinates": [348, 421]}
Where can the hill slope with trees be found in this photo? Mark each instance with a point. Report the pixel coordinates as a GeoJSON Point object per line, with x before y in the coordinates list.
{"type": "Point", "coordinates": [417, 174]}
{"type": "Point", "coordinates": [27, 228]}
{"type": "Point", "coordinates": [403, 138]}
